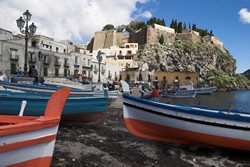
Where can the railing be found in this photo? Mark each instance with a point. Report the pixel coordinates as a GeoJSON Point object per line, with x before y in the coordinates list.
{"type": "Point", "coordinates": [76, 65]}
{"type": "Point", "coordinates": [14, 57]}
{"type": "Point", "coordinates": [32, 59]}
{"type": "Point", "coordinates": [57, 63]}
{"type": "Point", "coordinates": [46, 61]}
{"type": "Point", "coordinates": [66, 64]}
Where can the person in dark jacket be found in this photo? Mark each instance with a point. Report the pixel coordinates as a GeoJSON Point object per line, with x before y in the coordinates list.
{"type": "Point", "coordinates": [33, 74]}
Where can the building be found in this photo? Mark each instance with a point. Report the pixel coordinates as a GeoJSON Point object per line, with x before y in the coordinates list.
{"type": "Point", "coordinates": [163, 78]}
{"type": "Point", "coordinates": [60, 59]}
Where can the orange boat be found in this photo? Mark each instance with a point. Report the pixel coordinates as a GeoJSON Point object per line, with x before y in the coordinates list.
{"type": "Point", "coordinates": [30, 140]}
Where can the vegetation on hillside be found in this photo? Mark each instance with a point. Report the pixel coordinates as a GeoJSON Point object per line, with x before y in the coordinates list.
{"type": "Point", "coordinates": [224, 81]}
{"type": "Point", "coordinates": [179, 26]}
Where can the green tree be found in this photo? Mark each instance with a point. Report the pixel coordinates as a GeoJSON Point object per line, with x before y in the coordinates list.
{"type": "Point", "coordinates": [121, 28]}
{"type": "Point", "coordinates": [179, 28]}
{"type": "Point", "coordinates": [108, 27]}
{"type": "Point", "coordinates": [194, 27]}
{"type": "Point", "coordinates": [134, 26]}
{"type": "Point", "coordinates": [172, 24]}
{"type": "Point", "coordinates": [184, 26]}
{"type": "Point", "coordinates": [161, 40]}
{"type": "Point", "coordinates": [175, 25]}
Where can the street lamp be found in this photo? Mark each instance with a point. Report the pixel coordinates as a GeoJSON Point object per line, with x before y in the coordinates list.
{"type": "Point", "coordinates": [40, 57]}
{"type": "Point", "coordinates": [127, 67]}
{"type": "Point", "coordinates": [99, 59]}
{"type": "Point", "coordinates": [28, 31]}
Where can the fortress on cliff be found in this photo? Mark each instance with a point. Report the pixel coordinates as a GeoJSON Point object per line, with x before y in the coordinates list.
{"type": "Point", "coordinates": [146, 36]}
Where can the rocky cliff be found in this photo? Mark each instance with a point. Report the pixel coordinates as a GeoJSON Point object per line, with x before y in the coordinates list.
{"type": "Point", "coordinates": [205, 58]}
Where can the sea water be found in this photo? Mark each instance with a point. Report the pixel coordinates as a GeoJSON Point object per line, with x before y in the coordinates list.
{"type": "Point", "coordinates": [234, 100]}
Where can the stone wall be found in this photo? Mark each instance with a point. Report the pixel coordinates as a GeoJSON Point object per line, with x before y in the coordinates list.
{"type": "Point", "coordinates": [189, 35]}
{"type": "Point", "coordinates": [153, 35]}
{"type": "Point", "coordinates": [150, 35]}
{"type": "Point", "coordinates": [99, 40]}
{"type": "Point", "coordinates": [110, 39]}
{"type": "Point", "coordinates": [106, 39]}
{"type": "Point", "coordinates": [139, 37]}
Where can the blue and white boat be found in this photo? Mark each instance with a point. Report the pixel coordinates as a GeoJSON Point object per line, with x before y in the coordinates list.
{"type": "Point", "coordinates": [186, 124]}
{"type": "Point", "coordinates": [78, 109]}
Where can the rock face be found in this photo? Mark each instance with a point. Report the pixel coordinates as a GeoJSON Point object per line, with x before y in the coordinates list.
{"type": "Point", "coordinates": [215, 65]}
{"type": "Point", "coordinates": [185, 56]}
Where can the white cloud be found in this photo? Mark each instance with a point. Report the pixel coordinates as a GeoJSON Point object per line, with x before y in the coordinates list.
{"type": "Point", "coordinates": [76, 20]}
{"type": "Point", "coordinates": [146, 14]}
{"type": "Point", "coordinates": [244, 15]}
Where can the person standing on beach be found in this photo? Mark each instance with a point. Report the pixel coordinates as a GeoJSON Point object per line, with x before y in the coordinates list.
{"type": "Point", "coordinates": [155, 93]}
{"type": "Point", "coordinates": [34, 74]}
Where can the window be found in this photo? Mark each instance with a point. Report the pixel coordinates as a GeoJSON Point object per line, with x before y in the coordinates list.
{"type": "Point", "coordinates": [56, 72]}
{"type": "Point", "coordinates": [84, 62]}
{"type": "Point", "coordinates": [76, 60]}
{"type": "Point", "coordinates": [164, 79]}
{"type": "Point", "coordinates": [129, 52]}
{"type": "Point", "coordinates": [12, 68]}
{"type": "Point", "coordinates": [88, 62]}
{"type": "Point", "coordinates": [13, 54]}
{"type": "Point", "coordinates": [65, 72]}
{"type": "Point", "coordinates": [64, 50]}
{"type": "Point", "coordinates": [33, 44]}
{"type": "Point", "coordinates": [56, 49]}
{"type": "Point", "coordinates": [45, 71]}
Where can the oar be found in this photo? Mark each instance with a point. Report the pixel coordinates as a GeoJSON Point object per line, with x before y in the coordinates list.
{"type": "Point", "coordinates": [24, 102]}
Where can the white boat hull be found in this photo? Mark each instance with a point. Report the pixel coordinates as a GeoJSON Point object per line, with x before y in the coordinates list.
{"type": "Point", "coordinates": [171, 123]}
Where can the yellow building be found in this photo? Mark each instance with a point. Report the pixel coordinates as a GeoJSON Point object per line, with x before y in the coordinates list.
{"type": "Point", "coordinates": [173, 78]}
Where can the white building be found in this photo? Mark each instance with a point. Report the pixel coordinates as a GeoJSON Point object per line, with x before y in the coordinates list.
{"type": "Point", "coordinates": [60, 59]}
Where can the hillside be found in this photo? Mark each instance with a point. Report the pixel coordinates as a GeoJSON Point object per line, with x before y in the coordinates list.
{"type": "Point", "coordinates": [216, 66]}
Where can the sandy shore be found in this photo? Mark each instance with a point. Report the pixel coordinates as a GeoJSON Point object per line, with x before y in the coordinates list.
{"type": "Point", "coordinates": [110, 144]}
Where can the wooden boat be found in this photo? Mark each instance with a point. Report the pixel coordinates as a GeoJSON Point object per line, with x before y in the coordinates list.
{"type": "Point", "coordinates": [78, 109]}
{"type": "Point", "coordinates": [199, 91]}
{"type": "Point", "coordinates": [50, 88]}
{"type": "Point", "coordinates": [179, 94]}
{"type": "Point", "coordinates": [30, 140]}
{"type": "Point", "coordinates": [42, 88]}
{"type": "Point", "coordinates": [112, 95]}
{"type": "Point", "coordinates": [186, 124]}
{"type": "Point", "coordinates": [67, 83]}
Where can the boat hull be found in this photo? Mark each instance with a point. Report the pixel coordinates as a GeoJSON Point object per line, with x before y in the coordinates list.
{"type": "Point", "coordinates": [29, 140]}
{"type": "Point", "coordinates": [33, 148]}
{"type": "Point", "coordinates": [180, 124]}
{"type": "Point", "coordinates": [85, 110]}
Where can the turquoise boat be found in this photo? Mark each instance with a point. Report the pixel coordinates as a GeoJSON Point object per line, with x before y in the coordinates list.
{"type": "Point", "coordinates": [89, 110]}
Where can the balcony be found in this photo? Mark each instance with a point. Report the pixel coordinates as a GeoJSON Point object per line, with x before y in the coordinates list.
{"type": "Point", "coordinates": [66, 64]}
{"type": "Point", "coordinates": [86, 67]}
{"type": "Point", "coordinates": [14, 57]}
{"type": "Point", "coordinates": [76, 65]}
{"type": "Point", "coordinates": [57, 63]}
{"type": "Point", "coordinates": [46, 62]}
{"type": "Point", "coordinates": [32, 60]}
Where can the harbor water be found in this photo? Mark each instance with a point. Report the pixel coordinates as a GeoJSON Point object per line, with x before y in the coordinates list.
{"type": "Point", "coordinates": [234, 100]}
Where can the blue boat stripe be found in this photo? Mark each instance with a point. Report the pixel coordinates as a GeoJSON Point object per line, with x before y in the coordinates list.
{"type": "Point", "coordinates": [188, 119]}
{"type": "Point", "coordinates": [195, 110]}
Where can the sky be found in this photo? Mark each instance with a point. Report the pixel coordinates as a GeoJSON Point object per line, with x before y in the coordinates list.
{"type": "Point", "coordinates": [78, 20]}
